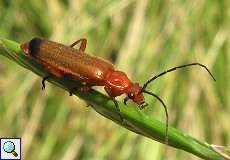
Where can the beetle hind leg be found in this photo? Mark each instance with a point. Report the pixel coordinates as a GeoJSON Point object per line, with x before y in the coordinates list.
{"type": "Point", "coordinates": [83, 44]}
{"type": "Point", "coordinates": [43, 82]}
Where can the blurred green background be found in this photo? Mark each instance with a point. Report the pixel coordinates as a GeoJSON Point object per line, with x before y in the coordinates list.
{"type": "Point", "coordinates": [142, 38]}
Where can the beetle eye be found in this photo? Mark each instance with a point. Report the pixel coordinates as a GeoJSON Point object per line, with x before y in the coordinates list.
{"type": "Point", "coordinates": [131, 95]}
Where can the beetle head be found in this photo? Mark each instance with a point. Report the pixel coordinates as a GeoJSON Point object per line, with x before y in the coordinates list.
{"type": "Point", "coordinates": [135, 94]}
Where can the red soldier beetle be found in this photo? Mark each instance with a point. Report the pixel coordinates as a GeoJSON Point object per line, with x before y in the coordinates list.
{"type": "Point", "coordinates": [66, 61]}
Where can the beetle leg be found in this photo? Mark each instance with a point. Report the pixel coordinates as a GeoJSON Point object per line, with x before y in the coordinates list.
{"type": "Point", "coordinates": [73, 90]}
{"type": "Point", "coordinates": [43, 82]}
{"type": "Point", "coordinates": [88, 105]}
{"type": "Point", "coordinates": [115, 103]}
{"type": "Point", "coordinates": [83, 42]}
{"type": "Point", "coordinates": [118, 110]}
{"type": "Point", "coordinates": [84, 89]}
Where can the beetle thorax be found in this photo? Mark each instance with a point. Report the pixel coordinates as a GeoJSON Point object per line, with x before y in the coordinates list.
{"type": "Point", "coordinates": [116, 83]}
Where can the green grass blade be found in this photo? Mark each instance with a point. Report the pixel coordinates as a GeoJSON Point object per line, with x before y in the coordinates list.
{"type": "Point", "coordinates": [136, 121]}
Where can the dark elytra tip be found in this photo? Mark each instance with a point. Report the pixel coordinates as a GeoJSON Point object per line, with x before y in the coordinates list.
{"type": "Point", "coordinates": [34, 46]}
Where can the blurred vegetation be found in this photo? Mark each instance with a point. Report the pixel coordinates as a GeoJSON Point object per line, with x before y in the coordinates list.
{"type": "Point", "coordinates": [142, 38]}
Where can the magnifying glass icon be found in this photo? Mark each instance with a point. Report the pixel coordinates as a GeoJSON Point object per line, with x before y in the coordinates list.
{"type": "Point", "coordinates": [9, 147]}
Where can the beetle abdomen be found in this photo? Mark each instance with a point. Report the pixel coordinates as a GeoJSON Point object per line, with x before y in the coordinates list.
{"type": "Point", "coordinates": [70, 61]}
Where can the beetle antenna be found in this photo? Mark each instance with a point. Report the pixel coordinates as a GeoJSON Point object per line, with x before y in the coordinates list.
{"type": "Point", "coordinates": [166, 112]}
{"type": "Point", "coordinates": [173, 69]}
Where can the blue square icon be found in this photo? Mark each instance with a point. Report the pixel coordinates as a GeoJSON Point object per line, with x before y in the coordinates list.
{"type": "Point", "coordinates": [10, 148]}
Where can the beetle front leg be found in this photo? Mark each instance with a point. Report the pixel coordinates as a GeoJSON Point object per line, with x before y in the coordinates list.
{"type": "Point", "coordinates": [108, 91]}
{"type": "Point", "coordinates": [118, 110]}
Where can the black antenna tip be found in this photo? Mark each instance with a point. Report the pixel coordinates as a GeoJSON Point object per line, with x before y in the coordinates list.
{"type": "Point", "coordinates": [214, 79]}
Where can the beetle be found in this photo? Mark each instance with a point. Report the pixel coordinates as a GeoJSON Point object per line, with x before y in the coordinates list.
{"type": "Point", "coordinates": [65, 61]}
